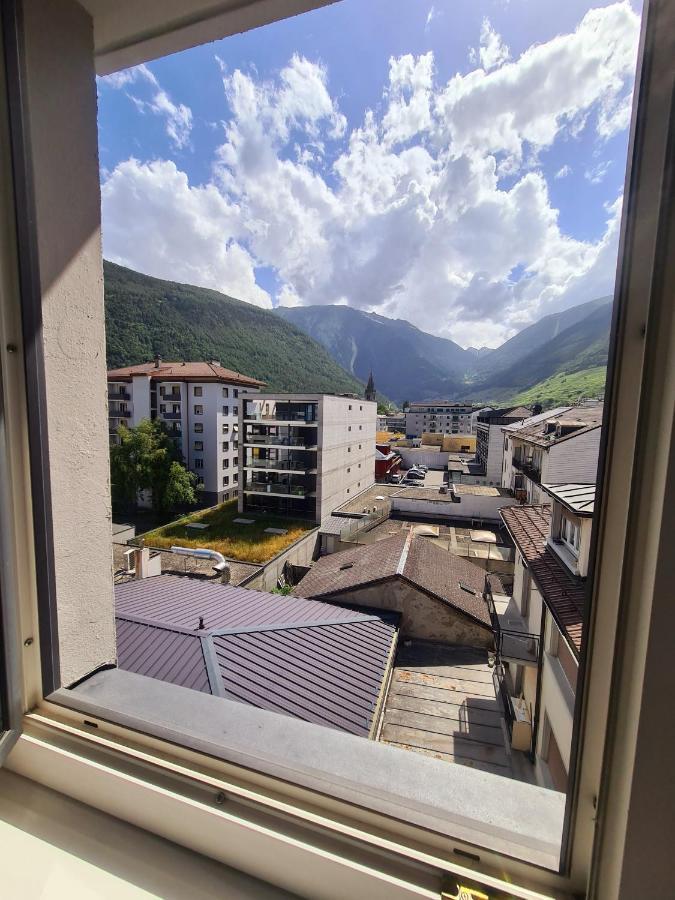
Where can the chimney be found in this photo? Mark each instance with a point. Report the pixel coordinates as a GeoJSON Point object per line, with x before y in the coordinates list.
{"type": "Point", "coordinates": [158, 360]}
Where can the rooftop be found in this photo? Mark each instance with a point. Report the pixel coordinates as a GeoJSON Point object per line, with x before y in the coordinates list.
{"type": "Point", "coordinates": [505, 415]}
{"type": "Point", "coordinates": [414, 558]}
{"type": "Point", "coordinates": [579, 498]}
{"type": "Point", "coordinates": [307, 659]}
{"type": "Point", "coordinates": [183, 371]}
{"type": "Point", "coordinates": [572, 422]}
{"type": "Point", "coordinates": [483, 490]}
{"type": "Point", "coordinates": [565, 595]}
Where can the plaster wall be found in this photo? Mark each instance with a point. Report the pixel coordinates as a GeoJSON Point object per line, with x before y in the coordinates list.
{"type": "Point", "coordinates": [61, 100]}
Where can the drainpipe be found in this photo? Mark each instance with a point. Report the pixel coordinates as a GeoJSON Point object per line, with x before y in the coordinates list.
{"type": "Point", "coordinates": [540, 669]}
{"type": "Point", "coordinates": [222, 566]}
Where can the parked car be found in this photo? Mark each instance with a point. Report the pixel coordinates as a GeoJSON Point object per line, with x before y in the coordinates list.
{"type": "Point", "coordinates": [411, 482]}
{"type": "Point", "coordinates": [415, 475]}
{"type": "Point", "coordinates": [395, 479]}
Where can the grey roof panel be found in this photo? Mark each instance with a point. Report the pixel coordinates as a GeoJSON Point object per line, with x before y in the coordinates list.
{"type": "Point", "coordinates": [306, 658]}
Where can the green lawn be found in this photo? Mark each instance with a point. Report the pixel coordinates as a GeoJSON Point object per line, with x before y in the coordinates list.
{"type": "Point", "coordinates": [562, 389]}
{"type": "Point", "coordinates": [247, 543]}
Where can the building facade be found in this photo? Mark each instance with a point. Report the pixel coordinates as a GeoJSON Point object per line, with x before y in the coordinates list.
{"type": "Point", "coordinates": [559, 446]}
{"type": "Point", "coordinates": [538, 630]}
{"type": "Point", "coordinates": [199, 405]}
{"type": "Point", "coordinates": [490, 440]}
{"type": "Point", "coordinates": [305, 454]}
{"type": "Point", "coordinates": [438, 416]}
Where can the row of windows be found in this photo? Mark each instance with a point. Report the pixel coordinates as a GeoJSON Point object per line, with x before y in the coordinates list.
{"type": "Point", "coordinates": [199, 410]}
{"type": "Point", "coordinates": [199, 445]}
{"type": "Point", "coordinates": [349, 427]}
{"type": "Point", "coordinates": [198, 391]}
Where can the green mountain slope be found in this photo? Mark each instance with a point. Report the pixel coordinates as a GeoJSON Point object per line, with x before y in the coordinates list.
{"type": "Point", "coordinates": [145, 316]}
{"type": "Point", "coordinates": [407, 363]}
{"type": "Point", "coordinates": [562, 388]}
{"type": "Point", "coordinates": [580, 347]}
{"type": "Point", "coordinates": [535, 336]}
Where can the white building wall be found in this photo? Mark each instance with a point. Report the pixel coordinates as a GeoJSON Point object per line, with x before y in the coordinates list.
{"type": "Point", "coordinates": [441, 420]}
{"type": "Point", "coordinates": [139, 388]}
{"type": "Point", "coordinates": [575, 459]}
{"type": "Point", "coordinates": [493, 469]}
{"type": "Point", "coordinates": [556, 702]}
{"type": "Point", "coordinates": [346, 455]}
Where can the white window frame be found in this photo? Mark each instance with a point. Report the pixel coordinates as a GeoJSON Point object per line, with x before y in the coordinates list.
{"type": "Point", "coordinates": [114, 767]}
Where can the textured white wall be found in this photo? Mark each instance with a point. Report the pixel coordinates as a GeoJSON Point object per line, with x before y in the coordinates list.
{"type": "Point", "coordinates": [61, 95]}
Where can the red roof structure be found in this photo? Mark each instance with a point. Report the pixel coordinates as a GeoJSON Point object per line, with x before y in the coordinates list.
{"type": "Point", "coordinates": [183, 371]}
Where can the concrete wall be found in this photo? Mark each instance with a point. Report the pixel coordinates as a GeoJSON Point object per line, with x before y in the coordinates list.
{"type": "Point", "coordinates": [422, 616]}
{"type": "Point", "coordinates": [557, 702]}
{"type": "Point", "coordinates": [302, 553]}
{"type": "Point", "coordinates": [346, 457]}
{"type": "Point", "coordinates": [61, 99]}
{"type": "Point", "coordinates": [413, 456]}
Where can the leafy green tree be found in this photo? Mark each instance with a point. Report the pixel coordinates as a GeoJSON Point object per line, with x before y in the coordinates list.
{"type": "Point", "coordinates": [148, 459]}
{"type": "Point", "coordinates": [405, 405]}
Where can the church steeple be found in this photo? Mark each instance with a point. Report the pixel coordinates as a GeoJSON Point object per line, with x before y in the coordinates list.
{"type": "Point", "coordinates": [371, 394]}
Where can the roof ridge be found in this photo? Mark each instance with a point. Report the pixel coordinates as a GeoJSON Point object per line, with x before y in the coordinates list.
{"type": "Point", "coordinates": [403, 559]}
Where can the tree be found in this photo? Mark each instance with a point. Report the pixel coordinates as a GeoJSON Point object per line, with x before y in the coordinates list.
{"type": "Point", "coordinates": [147, 458]}
{"type": "Point", "coordinates": [405, 405]}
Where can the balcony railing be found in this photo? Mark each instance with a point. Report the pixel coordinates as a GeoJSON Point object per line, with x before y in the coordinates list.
{"type": "Point", "coordinates": [281, 464]}
{"type": "Point", "coordinates": [267, 487]}
{"type": "Point", "coordinates": [119, 395]}
{"type": "Point", "coordinates": [527, 467]}
{"type": "Point", "coordinates": [502, 689]}
{"type": "Point", "coordinates": [119, 413]}
{"type": "Point", "coordinates": [170, 416]}
{"type": "Point", "coordinates": [512, 644]}
{"type": "Point", "coordinates": [280, 440]}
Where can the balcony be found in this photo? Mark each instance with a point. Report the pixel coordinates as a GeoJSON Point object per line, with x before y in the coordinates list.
{"type": "Point", "coordinates": [277, 489]}
{"type": "Point", "coordinates": [304, 441]}
{"type": "Point", "coordinates": [513, 641]}
{"type": "Point", "coordinates": [527, 467]}
{"type": "Point", "coordinates": [171, 416]}
{"type": "Point", "coordinates": [119, 413]}
{"type": "Point", "coordinates": [119, 395]}
{"type": "Point", "coordinates": [281, 465]}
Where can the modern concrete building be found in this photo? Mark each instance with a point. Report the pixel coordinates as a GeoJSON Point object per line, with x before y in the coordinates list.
{"type": "Point", "coordinates": [199, 404]}
{"type": "Point", "coordinates": [561, 445]}
{"type": "Point", "coordinates": [305, 454]}
{"type": "Point", "coordinates": [490, 440]}
{"type": "Point", "coordinates": [538, 630]}
{"type": "Point", "coordinates": [438, 416]}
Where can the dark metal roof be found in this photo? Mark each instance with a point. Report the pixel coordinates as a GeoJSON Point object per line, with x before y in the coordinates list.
{"type": "Point", "coordinates": [563, 593]}
{"type": "Point", "coordinates": [304, 658]}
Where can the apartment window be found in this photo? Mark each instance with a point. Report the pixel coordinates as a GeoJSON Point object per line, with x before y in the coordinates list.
{"type": "Point", "coordinates": [198, 445]}
{"type": "Point", "coordinates": [226, 464]}
{"type": "Point", "coordinates": [350, 406]}
{"type": "Point", "coordinates": [162, 407]}
{"type": "Point", "coordinates": [226, 410]}
{"type": "Point", "coordinates": [349, 427]}
{"type": "Point", "coordinates": [349, 449]}
{"type": "Point", "coordinates": [226, 480]}
{"type": "Point", "coordinates": [569, 533]}
{"type": "Point", "coordinates": [360, 427]}
{"type": "Point", "coordinates": [235, 477]}
{"type": "Point", "coordinates": [235, 410]}
{"type": "Point", "coordinates": [199, 427]}
{"type": "Point", "coordinates": [199, 463]}
{"type": "Point", "coordinates": [226, 428]}
{"type": "Point", "coordinates": [200, 481]}
{"type": "Point", "coordinates": [348, 470]}
{"type": "Point", "coordinates": [226, 392]}
{"type": "Point", "coordinates": [235, 445]}
{"type": "Point", "coordinates": [360, 447]}
{"type": "Point", "coordinates": [197, 390]}
{"type": "Point", "coordinates": [226, 446]}
{"type": "Point", "coordinates": [361, 408]}
{"type": "Point", "coordinates": [235, 393]}
{"type": "Point", "coordinates": [199, 409]}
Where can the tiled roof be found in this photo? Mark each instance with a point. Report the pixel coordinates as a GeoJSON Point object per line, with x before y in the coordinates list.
{"type": "Point", "coordinates": [563, 593]}
{"type": "Point", "coordinates": [179, 371]}
{"type": "Point", "coordinates": [587, 417]}
{"type": "Point", "coordinates": [408, 556]}
{"type": "Point", "coordinates": [580, 498]}
{"type": "Point", "coordinates": [534, 420]}
{"type": "Point", "coordinates": [304, 658]}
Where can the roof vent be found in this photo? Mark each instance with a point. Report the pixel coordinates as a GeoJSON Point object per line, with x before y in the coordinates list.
{"type": "Point", "coordinates": [158, 360]}
{"type": "Point", "coordinates": [215, 362]}
{"type": "Point", "coordinates": [346, 566]}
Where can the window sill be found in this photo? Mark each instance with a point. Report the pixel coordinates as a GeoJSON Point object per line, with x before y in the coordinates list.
{"type": "Point", "coordinates": [476, 808]}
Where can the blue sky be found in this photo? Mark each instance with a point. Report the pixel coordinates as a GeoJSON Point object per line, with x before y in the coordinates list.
{"type": "Point", "coordinates": [456, 164]}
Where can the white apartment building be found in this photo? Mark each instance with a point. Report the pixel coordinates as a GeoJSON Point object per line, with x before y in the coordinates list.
{"type": "Point", "coordinates": [199, 404]}
{"type": "Point", "coordinates": [490, 440]}
{"type": "Point", "coordinates": [558, 446]}
{"type": "Point", "coordinates": [305, 454]}
{"type": "Point", "coordinates": [538, 630]}
{"type": "Point", "coordinates": [438, 417]}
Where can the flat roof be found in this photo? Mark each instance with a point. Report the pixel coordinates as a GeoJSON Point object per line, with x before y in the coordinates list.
{"type": "Point", "coordinates": [579, 498]}
{"type": "Point", "coordinates": [481, 490]}
{"type": "Point", "coordinates": [423, 493]}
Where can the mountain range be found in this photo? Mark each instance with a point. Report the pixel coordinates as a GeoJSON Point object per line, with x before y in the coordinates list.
{"type": "Point", "coordinates": [334, 348]}
{"type": "Point", "coordinates": [408, 363]}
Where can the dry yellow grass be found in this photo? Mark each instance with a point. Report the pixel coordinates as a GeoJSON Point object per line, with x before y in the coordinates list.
{"type": "Point", "coordinates": [246, 543]}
